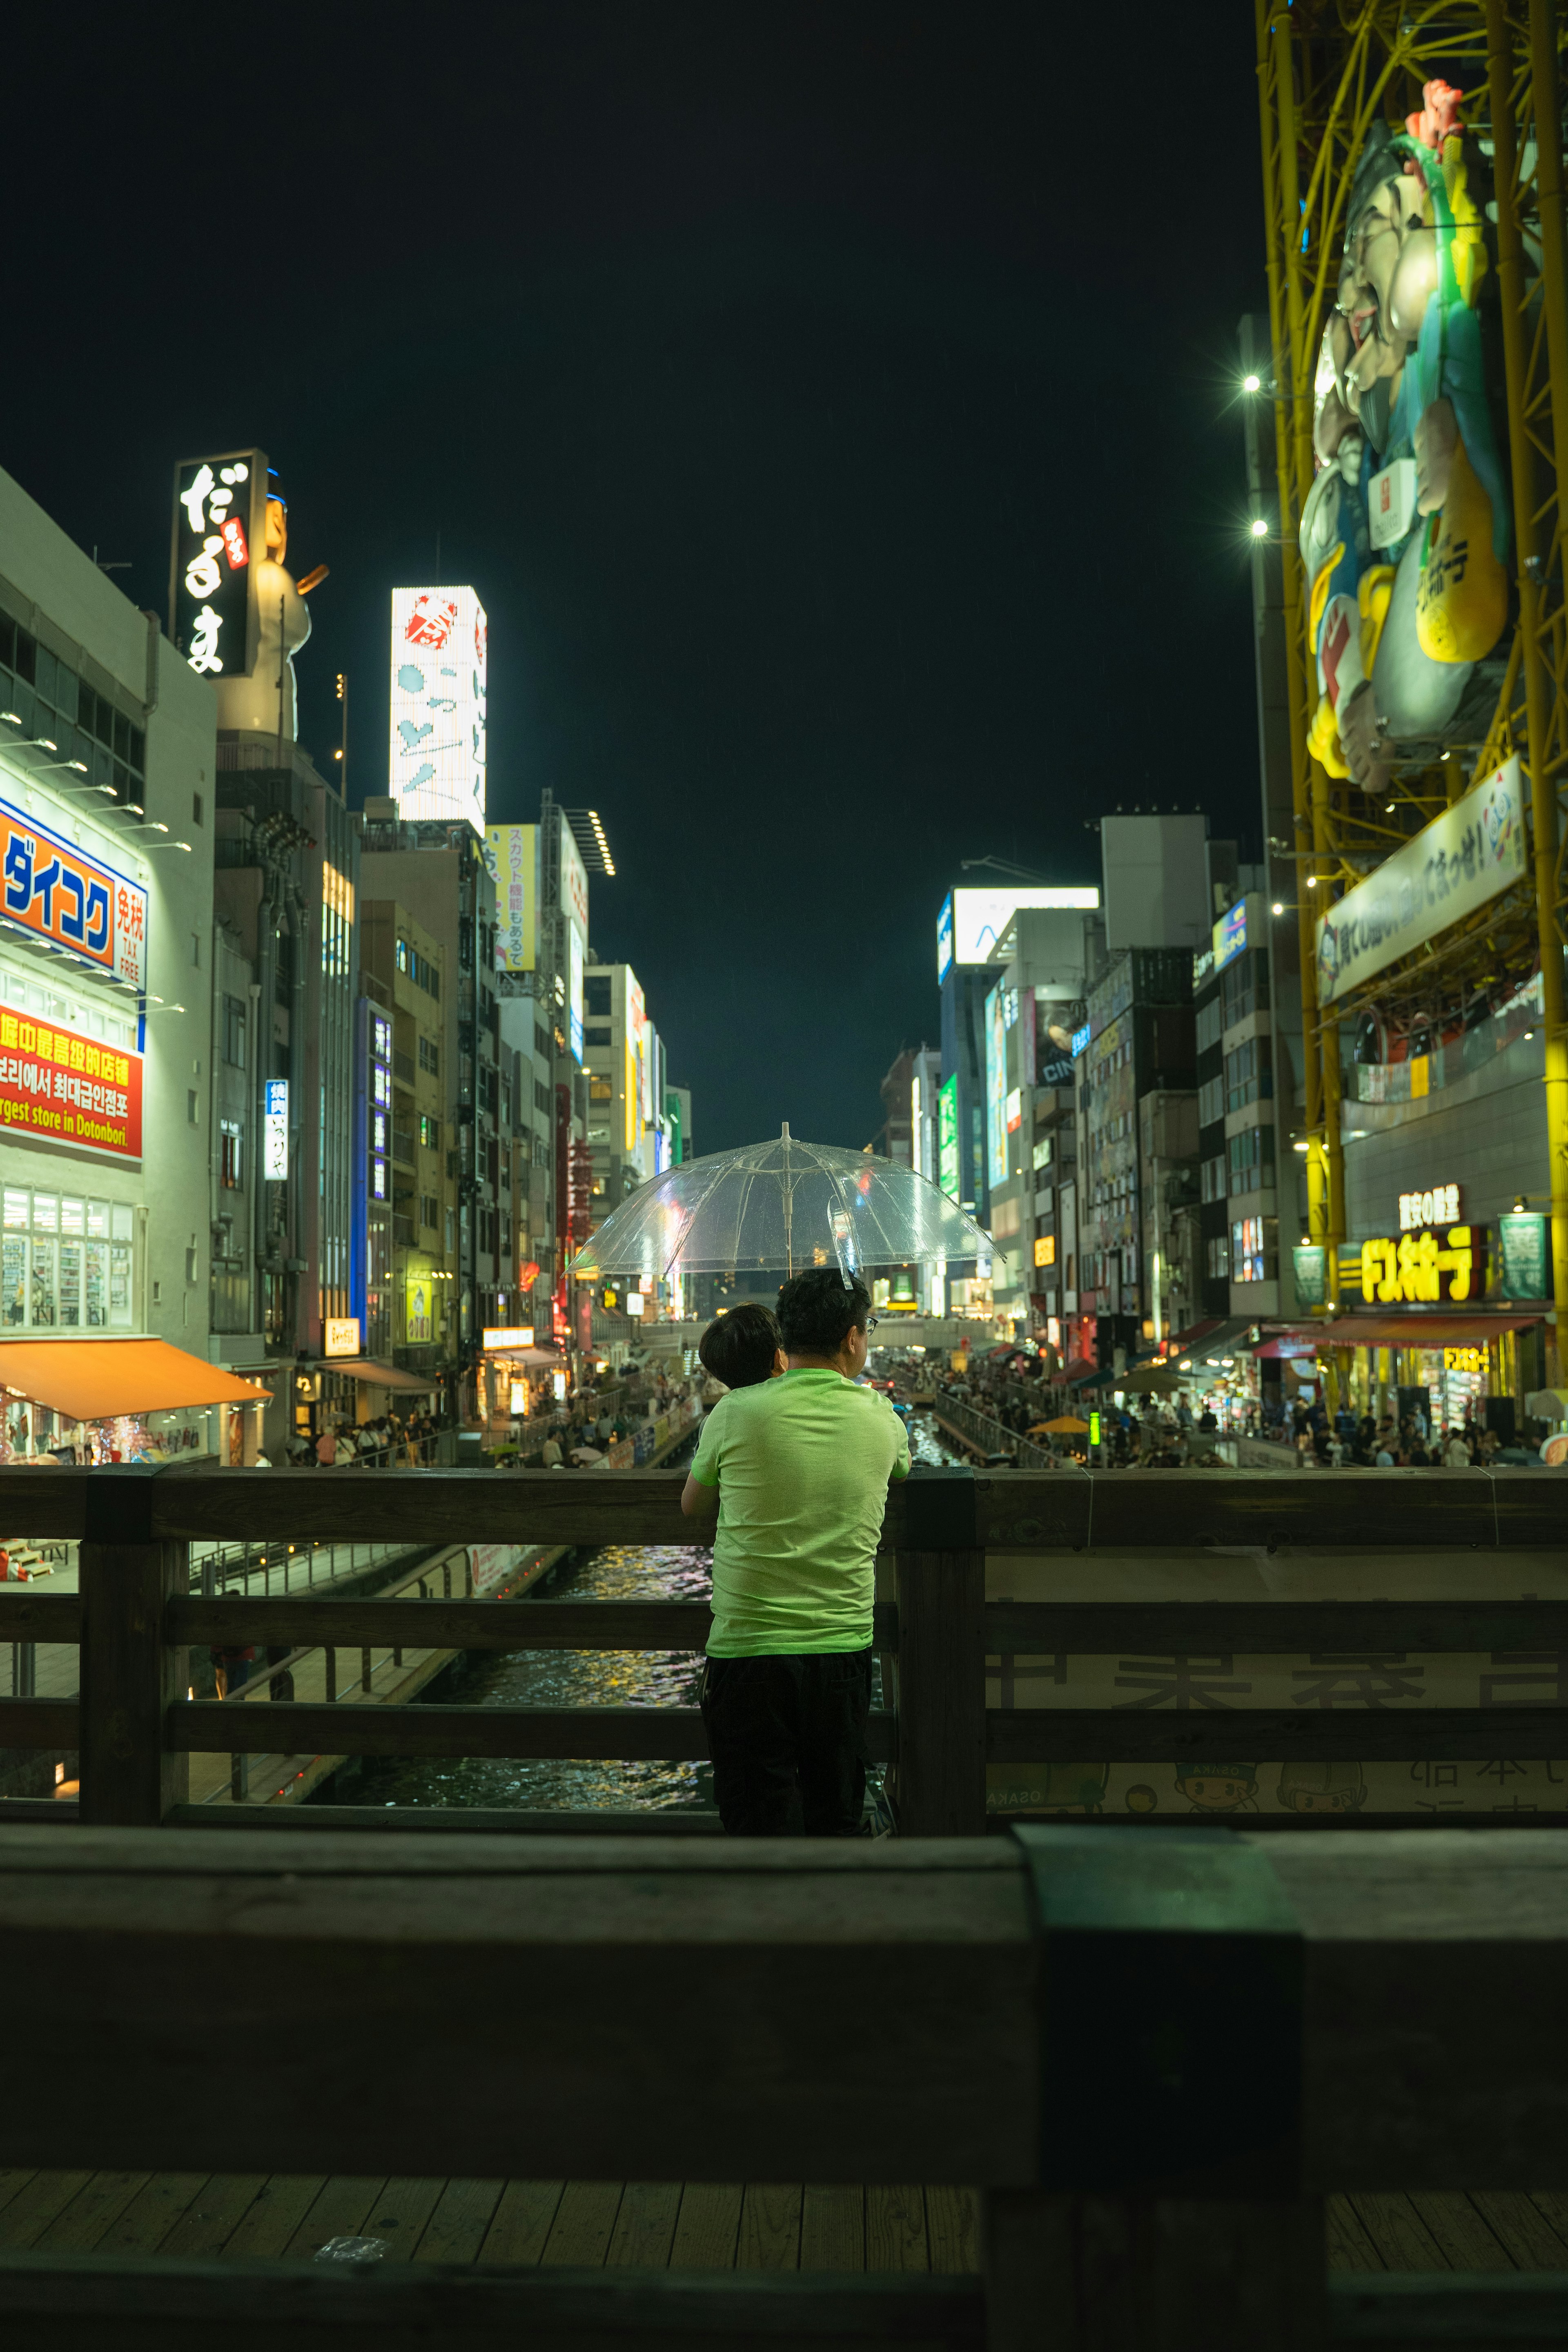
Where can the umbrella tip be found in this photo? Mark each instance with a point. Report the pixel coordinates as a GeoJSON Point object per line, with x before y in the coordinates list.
{"type": "Point", "coordinates": [783, 1132]}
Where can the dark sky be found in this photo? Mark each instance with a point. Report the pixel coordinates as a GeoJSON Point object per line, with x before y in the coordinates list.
{"type": "Point", "coordinates": [834, 406]}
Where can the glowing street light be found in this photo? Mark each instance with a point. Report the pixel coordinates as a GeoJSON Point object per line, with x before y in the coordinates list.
{"type": "Point", "coordinates": [1252, 384]}
{"type": "Point", "coordinates": [1260, 528]}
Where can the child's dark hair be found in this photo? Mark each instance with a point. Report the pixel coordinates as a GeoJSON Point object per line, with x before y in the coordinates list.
{"type": "Point", "coordinates": [738, 1347]}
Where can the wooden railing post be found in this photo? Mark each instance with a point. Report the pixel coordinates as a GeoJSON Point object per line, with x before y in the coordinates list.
{"type": "Point", "coordinates": [1170, 2214]}
{"type": "Point", "coordinates": [130, 1676]}
{"type": "Point", "coordinates": [941, 1658]}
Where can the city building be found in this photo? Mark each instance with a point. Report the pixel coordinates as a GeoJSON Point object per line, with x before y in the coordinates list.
{"type": "Point", "coordinates": [412, 1202]}
{"type": "Point", "coordinates": [107, 784]}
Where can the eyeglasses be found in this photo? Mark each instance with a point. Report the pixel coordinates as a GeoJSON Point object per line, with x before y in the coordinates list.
{"type": "Point", "coordinates": [872, 1321]}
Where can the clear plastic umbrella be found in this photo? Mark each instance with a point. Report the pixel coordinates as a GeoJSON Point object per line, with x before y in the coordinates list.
{"type": "Point", "coordinates": [783, 1205]}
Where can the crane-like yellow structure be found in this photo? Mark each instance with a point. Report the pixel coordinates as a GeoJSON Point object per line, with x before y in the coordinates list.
{"type": "Point", "coordinates": [1326, 71]}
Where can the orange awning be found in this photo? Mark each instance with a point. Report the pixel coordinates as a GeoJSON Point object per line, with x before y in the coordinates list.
{"type": "Point", "coordinates": [379, 1375]}
{"type": "Point", "coordinates": [96, 1379]}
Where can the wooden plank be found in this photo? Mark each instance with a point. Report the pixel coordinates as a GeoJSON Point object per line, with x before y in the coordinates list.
{"type": "Point", "coordinates": [1553, 2207]}
{"type": "Point", "coordinates": [38, 1722]}
{"type": "Point", "coordinates": [953, 2228]}
{"type": "Point", "coordinates": [446, 1821]}
{"type": "Point", "coordinates": [1397, 2233]}
{"type": "Point", "coordinates": [342, 2208]}
{"type": "Point", "coordinates": [1463, 2237]}
{"type": "Point", "coordinates": [212, 2215]}
{"type": "Point", "coordinates": [521, 2221]}
{"type": "Point", "coordinates": [93, 2210]}
{"type": "Point", "coordinates": [149, 2217]}
{"type": "Point", "coordinates": [1430, 2311]}
{"type": "Point", "coordinates": [585, 2223]}
{"type": "Point", "coordinates": [708, 2226]}
{"type": "Point", "coordinates": [1348, 2246]}
{"type": "Point", "coordinates": [298, 1728]}
{"type": "Point", "coordinates": [769, 2237]}
{"type": "Point", "coordinates": [521, 1506]}
{"type": "Point", "coordinates": [401, 2213]}
{"type": "Point", "coordinates": [896, 2229]}
{"type": "Point", "coordinates": [1269, 1628]}
{"type": "Point", "coordinates": [129, 1677]}
{"type": "Point", "coordinates": [1125, 1735]}
{"type": "Point", "coordinates": [24, 2221]}
{"type": "Point", "coordinates": [455, 2230]}
{"type": "Point", "coordinates": [645, 2226]}
{"type": "Point", "coordinates": [268, 2223]}
{"type": "Point", "coordinates": [1527, 2236]}
{"type": "Point", "coordinates": [255, 2307]}
{"type": "Point", "coordinates": [14, 2178]}
{"type": "Point", "coordinates": [45, 1502]}
{"type": "Point", "coordinates": [510, 1625]}
{"type": "Point", "coordinates": [28, 1615]}
{"type": "Point", "coordinates": [942, 1694]}
{"type": "Point", "coordinates": [833, 2226]}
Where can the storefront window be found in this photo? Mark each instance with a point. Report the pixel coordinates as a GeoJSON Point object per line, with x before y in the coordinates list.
{"type": "Point", "coordinates": [65, 1262]}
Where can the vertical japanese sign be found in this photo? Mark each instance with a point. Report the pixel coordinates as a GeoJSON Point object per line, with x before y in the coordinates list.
{"type": "Point", "coordinates": [67, 898]}
{"type": "Point", "coordinates": [274, 1132]}
{"type": "Point", "coordinates": [511, 854]}
{"type": "Point", "coordinates": [219, 537]}
{"type": "Point", "coordinates": [996, 1087]}
{"type": "Point", "coordinates": [440, 669]}
{"type": "Point", "coordinates": [637, 1052]}
{"type": "Point", "coordinates": [378, 1121]}
{"type": "Point", "coordinates": [574, 908]}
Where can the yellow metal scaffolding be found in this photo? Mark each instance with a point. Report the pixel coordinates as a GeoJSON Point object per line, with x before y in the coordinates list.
{"type": "Point", "coordinates": [1327, 70]}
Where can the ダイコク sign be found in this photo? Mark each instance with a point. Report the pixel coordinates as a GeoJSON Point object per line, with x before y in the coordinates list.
{"type": "Point", "coordinates": [51, 888]}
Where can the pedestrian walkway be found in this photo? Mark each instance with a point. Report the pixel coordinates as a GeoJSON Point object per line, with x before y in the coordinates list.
{"type": "Point", "coordinates": [674, 2225]}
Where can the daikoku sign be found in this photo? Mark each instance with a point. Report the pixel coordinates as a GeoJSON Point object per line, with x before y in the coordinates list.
{"type": "Point", "coordinates": [64, 896]}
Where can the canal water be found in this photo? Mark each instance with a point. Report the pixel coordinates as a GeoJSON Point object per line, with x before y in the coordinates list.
{"type": "Point", "coordinates": [577, 1678]}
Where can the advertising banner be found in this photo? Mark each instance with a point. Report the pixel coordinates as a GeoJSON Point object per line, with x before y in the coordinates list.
{"type": "Point", "coordinates": [996, 1087]}
{"type": "Point", "coordinates": [944, 939]}
{"type": "Point", "coordinates": [56, 1084]}
{"type": "Point", "coordinates": [1453, 866]}
{"type": "Point", "coordinates": [491, 1564]}
{"type": "Point", "coordinates": [979, 917]}
{"type": "Point", "coordinates": [1525, 1267]}
{"type": "Point", "coordinates": [417, 1304]}
{"type": "Point", "coordinates": [440, 661]}
{"type": "Point", "coordinates": [512, 854]}
{"type": "Point", "coordinates": [219, 537]}
{"type": "Point", "coordinates": [66, 896]}
{"type": "Point", "coordinates": [947, 1138]}
{"type": "Point", "coordinates": [274, 1132]}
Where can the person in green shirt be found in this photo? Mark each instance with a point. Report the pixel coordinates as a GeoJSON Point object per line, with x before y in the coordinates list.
{"type": "Point", "coordinates": [798, 1464]}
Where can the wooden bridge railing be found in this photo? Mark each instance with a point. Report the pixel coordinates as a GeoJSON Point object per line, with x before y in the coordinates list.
{"type": "Point", "coordinates": [134, 1616]}
{"type": "Point", "coordinates": [1153, 2057]}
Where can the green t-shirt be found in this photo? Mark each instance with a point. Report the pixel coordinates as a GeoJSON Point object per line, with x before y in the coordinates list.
{"type": "Point", "coordinates": [802, 1466]}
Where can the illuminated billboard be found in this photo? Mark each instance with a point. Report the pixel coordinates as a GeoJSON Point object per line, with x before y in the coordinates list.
{"type": "Point", "coordinates": [637, 1050]}
{"type": "Point", "coordinates": [947, 1138]}
{"type": "Point", "coordinates": [574, 907]}
{"type": "Point", "coordinates": [944, 939]}
{"type": "Point", "coordinates": [996, 1087]}
{"type": "Point", "coordinates": [439, 667]}
{"type": "Point", "coordinates": [219, 537]}
{"type": "Point", "coordinates": [511, 853]}
{"type": "Point", "coordinates": [64, 896]}
{"type": "Point", "coordinates": [979, 917]}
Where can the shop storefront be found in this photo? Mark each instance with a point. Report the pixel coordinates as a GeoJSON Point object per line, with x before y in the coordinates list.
{"type": "Point", "coordinates": [90, 1401]}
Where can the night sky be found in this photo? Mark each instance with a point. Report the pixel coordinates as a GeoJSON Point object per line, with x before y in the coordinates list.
{"type": "Point", "coordinates": [832, 406]}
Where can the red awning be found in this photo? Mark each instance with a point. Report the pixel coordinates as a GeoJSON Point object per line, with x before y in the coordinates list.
{"type": "Point", "coordinates": [1454, 1328]}
{"type": "Point", "coordinates": [1186, 1341]}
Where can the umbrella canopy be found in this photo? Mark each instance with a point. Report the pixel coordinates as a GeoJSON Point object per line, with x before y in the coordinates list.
{"type": "Point", "coordinates": [1149, 1380]}
{"type": "Point", "coordinates": [1062, 1424]}
{"type": "Point", "coordinates": [785, 1205]}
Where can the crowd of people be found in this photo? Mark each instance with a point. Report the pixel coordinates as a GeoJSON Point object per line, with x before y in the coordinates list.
{"type": "Point", "coordinates": [1406, 1441]}
{"type": "Point", "coordinates": [388, 1440]}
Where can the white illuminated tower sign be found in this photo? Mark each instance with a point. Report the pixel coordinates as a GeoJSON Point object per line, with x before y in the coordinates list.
{"type": "Point", "coordinates": [440, 663]}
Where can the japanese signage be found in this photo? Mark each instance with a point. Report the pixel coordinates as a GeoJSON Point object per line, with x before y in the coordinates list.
{"type": "Point", "coordinates": [274, 1132]}
{"type": "Point", "coordinates": [1526, 1272]}
{"type": "Point", "coordinates": [947, 1138]}
{"type": "Point", "coordinates": [944, 939]}
{"type": "Point", "coordinates": [574, 907]}
{"type": "Point", "coordinates": [1421, 1268]}
{"type": "Point", "coordinates": [378, 1120]}
{"type": "Point", "coordinates": [339, 1334]}
{"type": "Point", "coordinates": [997, 1086]}
{"type": "Point", "coordinates": [513, 1335]}
{"type": "Point", "coordinates": [1310, 1261]}
{"type": "Point", "coordinates": [440, 654]}
{"type": "Point", "coordinates": [418, 1306]}
{"type": "Point", "coordinates": [1453, 866]}
{"type": "Point", "coordinates": [56, 1084]}
{"type": "Point", "coordinates": [635, 1028]}
{"type": "Point", "coordinates": [511, 854]}
{"type": "Point", "coordinates": [1440, 1206]}
{"type": "Point", "coordinates": [1045, 1249]}
{"type": "Point", "coordinates": [1230, 935]}
{"type": "Point", "coordinates": [220, 536]}
{"type": "Point", "coordinates": [68, 899]}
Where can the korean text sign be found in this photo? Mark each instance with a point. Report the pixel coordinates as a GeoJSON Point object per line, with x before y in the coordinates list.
{"type": "Point", "coordinates": [1453, 866]}
{"type": "Point", "coordinates": [56, 1084]}
{"type": "Point", "coordinates": [68, 899]}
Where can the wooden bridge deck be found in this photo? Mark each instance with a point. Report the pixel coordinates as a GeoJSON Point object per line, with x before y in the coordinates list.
{"type": "Point", "coordinates": [672, 2225]}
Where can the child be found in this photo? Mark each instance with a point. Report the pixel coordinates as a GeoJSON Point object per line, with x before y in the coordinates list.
{"type": "Point", "coordinates": [744, 1348]}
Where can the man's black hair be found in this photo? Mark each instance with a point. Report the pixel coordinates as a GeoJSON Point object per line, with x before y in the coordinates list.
{"type": "Point", "coordinates": [816, 1312]}
{"type": "Point", "coordinates": [738, 1347]}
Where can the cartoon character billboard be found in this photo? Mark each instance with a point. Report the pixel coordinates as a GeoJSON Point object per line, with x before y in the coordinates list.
{"type": "Point", "coordinates": [1406, 533]}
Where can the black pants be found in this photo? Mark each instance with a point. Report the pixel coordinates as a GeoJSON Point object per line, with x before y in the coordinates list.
{"type": "Point", "coordinates": [787, 1737]}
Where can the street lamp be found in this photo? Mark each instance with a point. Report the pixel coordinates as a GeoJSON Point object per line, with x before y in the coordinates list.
{"type": "Point", "coordinates": [1260, 528]}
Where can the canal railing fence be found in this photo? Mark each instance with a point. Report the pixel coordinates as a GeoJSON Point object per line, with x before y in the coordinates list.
{"type": "Point", "coordinates": [135, 1618]}
{"type": "Point", "coordinates": [1154, 2058]}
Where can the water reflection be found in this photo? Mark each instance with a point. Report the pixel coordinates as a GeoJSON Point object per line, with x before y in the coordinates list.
{"type": "Point", "coordinates": [582, 1678]}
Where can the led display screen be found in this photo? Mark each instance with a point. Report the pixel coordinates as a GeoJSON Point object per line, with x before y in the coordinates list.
{"type": "Point", "coordinates": [439, 668]}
